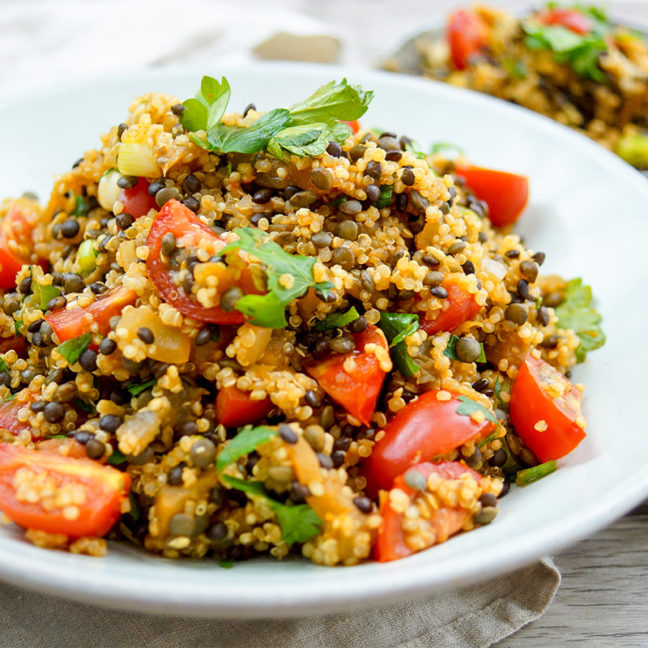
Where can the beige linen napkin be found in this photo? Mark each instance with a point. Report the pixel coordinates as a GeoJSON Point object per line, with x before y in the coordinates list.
{"type": "Point", "coordinates": [472, 617]}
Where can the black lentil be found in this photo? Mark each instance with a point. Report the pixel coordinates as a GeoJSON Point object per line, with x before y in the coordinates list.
{"type": "Point", "coordinates": [512, 254]}
{"type": "Point", "coordinates": [516, 313]}
{"type": "Point", "coordinates": [322, 239]}
{"type": "Point", "coordinates": [56, 303]}
{"type": "Point", "coordinates": [343, 256]}
{"type": "Point", "coordinates": [124, 220]}
{"type": "Point", "coordinates": [350, 207]}
{"type": "Point", "coordinates": [334, 149]}
{"type": "Point", "coordinates": [324, 460]}
{"type": "Point", "coordinates": [88, 360]}
{"type": "Point", "coordinates": [203, 453]}
{"type": "Point", "coordinates": [374, 169]}
{"type": "Point", "coordinates": [110, 422]}
{"type": "Point", "coordinates": [287, 434]}
{"type": "Point", "coordinates": [363, 504]}
{"type": "Point", "coordinates": [164, 195]}
{"type": "Point", "coordinates": [95, 449]}
{"type": "Point", "coordinates": [127, 182]}
{"type": "Point", "coordinates": [439, 291]}
{"type": "Point", "coordinates": [146, 335]}
{"type": "Point", "coordinates": [468, 349]}
{"type": "Point", "coordinates": [539, 258]}
{"type": "Point", "coordinates": [348, 230]}
{"type": "Point", "coordinates": [175, 475]}
{"type": "Point", "coordinates": [529, 270]}
{"type": "Point", "coordinates": [342, 344]}
{"type": "Point", "coordinates": [468, 267]}
{"type": "Point", "coordinates": [358, 325]}
{"type": "Point", "coordinates": [322, 178]}
{"type": "Point", "coordinates": [204, 335]}
{"type": "Point", "coordinates": [54, 412]}
{"type": "Point", "coordinates": [312, 398]}
{"type": "Point", "coordinates": [499, 458]}
{"type": "Point", "coordinates": [188, 428]}
{"type": "Point", "coordinates": [543, 316]}
{"type": "Point", "coordinates": [407, 176]}
{"type": "Point", "coordinates": [191, 184]}
{"type": "Point", "coordinates": [480, 384]}
{"type": "Point", "coordinates": [523, 288]}
{"type": "Point", "coordinates": [230, 297]}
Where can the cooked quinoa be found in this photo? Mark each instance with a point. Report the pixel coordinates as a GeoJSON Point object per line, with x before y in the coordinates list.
{"type": "Point", "coordinates": [569, 63]}
{"type": "Point", "coordinates": [372, 228]}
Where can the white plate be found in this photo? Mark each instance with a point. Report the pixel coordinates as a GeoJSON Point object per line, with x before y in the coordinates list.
{"type": "Point", "coordinates": [588, 212]}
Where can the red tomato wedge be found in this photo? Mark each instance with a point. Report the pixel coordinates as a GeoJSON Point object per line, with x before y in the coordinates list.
{"type": "Point", "coordinates": [459, 307]}
{"type": "Point", "coordinates": [468, 35]}
{"type": "Point", "coordinates": [354, 379]}
{"type": "Point", "coordinates": [137, 201]}
{"type": "Point", "coordinates": [443, 522]}
{"type": "Point", "coordinates": [16, 343]}
{"type": "Point", "coordinates": [424, 429]}
{"type": "Point", "coordinates": [545, 410]}
{"type": "Point", "coordinates": [353, 125]}
{"type": "Point", "coordinates": [9, 415]}
{"type": "Point", "coordinates": [573, 20]}
{"type": "Point", "coordinates": [506, 194]}
{"type": "Point", "coordinates": [235, 408]}
{"type": "Point", "coordinates": [189, 230]}
{"type": "Point", "coordinates": [70, 323]}
{"type": "Point", "coordinates": [15, 230]}
{"type": "Point", "coordinates": [98, 492]}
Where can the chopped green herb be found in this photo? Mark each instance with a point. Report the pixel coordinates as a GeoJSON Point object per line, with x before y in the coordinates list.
{"type": "Point", "coordinates": [72, 349]}
{"type": "Point", "coordinates": [17, 325]}
{"type": "Point", "coordinates": [135, 389]}
{"type": "Point", "coordinates": [3, 366]}
{"type": "Point", "coordinates": [337, 320]}
{"type": "Point", "coordinates": [206, 110]}
{"type": "Point", "coordinates": [246, 441]}
{"type": "Point", "coordinates": [289, 276]}
{"type": "Point", "coordinates": [81, 206]}
{"type": "Point", "coordinates": [581, 51]}
{"type": "Point", "coordinates": [306, 140]}
{"type": "Point", "coordinates": [57, 436]}
{"type": "Point", "coordinates": [451, 352]}
{"type": "Point", "coordinates": [497, 391]}
{"type": "Point", "coordinates": [386, 193]}
{"type": "Point", "coordinates": [412, 147]}
{"type": "Point", "coordinates": [468, 406]}
{"type": "Point", "coordinates": [446, 147]}
{"type": "Point", "coordinates": [134, 512]}
{"type": "Point", "coordinates": [85, 406]}
{"type": "Point", "coordinates": [530, 475]}
{"type": "Point", "coordinates": [516, 69]}
{"type": "Point", "coordinates": [226, 564]}
{"type": "Point", "coordinates": [43, 294]}
{"type": "Point", "coordinates": [576, 313]}
{"type": "Point", "coordinates": [117, 457]}
{"type": "Point", "coordinates": [9, 398]}
{"type": "Point", "coordinates": [298, 523]}
{"type": "Point", "coordinates": [396, 327]}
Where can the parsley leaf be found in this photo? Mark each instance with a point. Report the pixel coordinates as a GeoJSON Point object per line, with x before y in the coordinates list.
{"type": "Point", "coordinates": [580, 51]}
{"type": "Point", "coordinates": [333, 101]}
{"type": "Point", "coordinates": [337, 320]}
{"type": "Point", "coordinates": [576, 313]}
{"type": "Point", "coordinates": [298, 523]}
{"type": "Point", "coordinates": [305, 140]}
{"type": "Point", "coordinates": [117, 457]}
{"type": "Point", "coordinates": [468, 406]}
{"type": "Point", "coordinates": [396, 327]}
{"type": "Point", "coordinates": [73, 348]}
{"type": "Point", "coordinates": [17, 324]}
{"type": "Point", "coordinates": [85, 406]}
{"type": "Point", "coordinates": [3, 366]}
{"type": "Point", "coordinates": [206, 110]}
{"type": "Point", "coordinates": [233, 139]}
{"type": "Point", "coordinates": [451, 350]}
{"type": "Point", "coordinates": [289, 276]}
{"type": "Point", "coordinates": [135, 389]}
{"type": "Point", "coordinates": [43, 294]}
{"type": "Point", "coordinates": [81, 206]}
{"type": "Point", "coordinates": [243, 443]}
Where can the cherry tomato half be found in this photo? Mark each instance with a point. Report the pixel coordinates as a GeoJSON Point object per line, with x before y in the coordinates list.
{"type": "Point", "coordinates": [235, 408]}
{"type": "Point", "coordinates": [442, 522]}
{"type": "Point", "coordinates": [9, 414]}
{"type": "Point", "coordinates": [100, 491]}
{"type": "Point", "coordinates": [572, 19]}
{"type": "Point", "coordinates": [545, 410]}
{"type": "Point", "coordinates": [506, 194]}
{"type": "Point", "coordinates": [459, 307]}
{"type": "Point", "coordinates": [15, 235]}
{"type": "Point", "coordinates": [354, 379]}
{"type": "Point", "coordinates": [467, 35]}
{"type": "Point", "coordinates": [424, 429]}
{"type": "Point", "coordinates": [137, 201]}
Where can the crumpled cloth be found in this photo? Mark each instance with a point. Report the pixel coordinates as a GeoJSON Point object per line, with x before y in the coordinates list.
{"type": "Point", "coordinates": [471, 617]}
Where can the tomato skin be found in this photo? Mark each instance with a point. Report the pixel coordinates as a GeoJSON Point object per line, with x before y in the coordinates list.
{"type": "Point", "coordinates": [235, 408]}
{"type": "Point", "coordinates": [9, 415]}
{"type": "Point", "coordinates": [424, 429]}
{"type": "Point", "coordinates": [468, 35]}
{"type": "Point", "coordinates": [105, 490]}
{"type": "Point", "coordinates": [506, 194]}
{"type": "Point", "coordinates": [530, 403]}
{"type": "Point", "coordinates": [353, 125]}
{"type": "Point", "coordinates": [174, 217]}
{"type": "Point", "coordinates": [461, 308]}
{"type": "Point", "coordinates": [16, 343]}
{"type": "Point", "coordinates": [390, 542]}
{"type": "Point", "coordinates": [68, 324]}
{"type": "Point", "coordinates": [570, 18]}
{"type": "Point", "coordinates": [137, 201]}
{"type": "Point", "coordinates": [356, 390]}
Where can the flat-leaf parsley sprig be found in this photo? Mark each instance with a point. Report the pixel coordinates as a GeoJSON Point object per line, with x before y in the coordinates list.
{"type": "Point", "coordinates": [303, 130]}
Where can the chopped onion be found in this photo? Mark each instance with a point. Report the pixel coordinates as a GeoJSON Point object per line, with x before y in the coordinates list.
{"type": "Point", "coordinates": [494, 267]}
{"type": "Point", "coordinates": [135, 159]}
{"type": "Point", "coordinates": [108, 190]}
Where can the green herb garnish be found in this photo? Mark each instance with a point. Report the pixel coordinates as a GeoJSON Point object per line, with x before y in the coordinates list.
{"type": "Point", "coordinates": [3, 366]}
{"type": "Point", "coordinates": [73, 348]}
{"type": "Point", "coordinates": [85, 406]}
{"type": "Point", "coordinates": [396, 327]}
{"type": "Point", "coordinates": [386, 194]}
{"type": "Point", "coordinates": [446, 147]}
{"type": "Point", "coordinates": [288, 276]}
{"type": "Point", "coordinates": [135, 389]}
{"type": "Point", "coordinates": [134, 512]}
{"type": "Point", "coordinates": [17, 325]}
{"type": "Point", "coordinates": [298, 523]}
{"type": "Point", "coordinates": [530, 475]}
{"type": "Point", "coordinates": [581, 51]}
{"type": "Point", "coordinates": [451, 350]}
{"type": "Point", "coordinates": [468, 406]}
{"type": "Point", "coordinates": [43, 294]}
{"type": "Point", "coordinates": [516, 69]}
{"type": "Point", "coordinates": [337, 320]}
{"type": "Point", "coordinates": [576, 313]}
{"type": "Point", "coordinates": [303, 130]}
{"type": "Point", "coordinates": [117, 457]}
{"type": "Point", "coordinates": [246, 441]}
{"type": "Point", "coordinates": [225, 564]}
{"type": "Point", "coordinates": [81, 206]}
